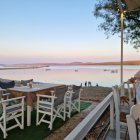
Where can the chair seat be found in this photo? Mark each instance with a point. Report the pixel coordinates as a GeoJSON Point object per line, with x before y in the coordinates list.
{"type": "Point", "coordinates": [45, 105]}
{"type": "Point", "coordinates": [11, 110]}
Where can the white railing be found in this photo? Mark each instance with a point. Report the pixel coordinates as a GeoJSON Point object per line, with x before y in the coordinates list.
{"type": "Point", "coordinates": [84, 127]}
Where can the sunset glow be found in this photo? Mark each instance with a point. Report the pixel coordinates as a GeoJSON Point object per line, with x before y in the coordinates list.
{"type": "Point", "coordinates": [55, 31]}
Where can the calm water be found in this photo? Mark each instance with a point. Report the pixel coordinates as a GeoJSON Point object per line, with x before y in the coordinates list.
{"type": "Point", "coordinates": [103, 75]}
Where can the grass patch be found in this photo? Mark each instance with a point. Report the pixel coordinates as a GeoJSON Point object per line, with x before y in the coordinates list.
{"type": "Point", "coordinates": [37, 132]}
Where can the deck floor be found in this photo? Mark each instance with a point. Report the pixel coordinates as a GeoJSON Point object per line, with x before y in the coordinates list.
{"type": "Point", "coordinates": [111, 135]}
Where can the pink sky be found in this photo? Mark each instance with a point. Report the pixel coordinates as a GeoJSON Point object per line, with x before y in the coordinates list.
{"type": "Point", "coordinates": [60, 31]}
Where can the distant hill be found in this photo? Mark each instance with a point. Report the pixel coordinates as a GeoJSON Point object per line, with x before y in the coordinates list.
{"type": "Point", "coordinates": [132, 62]}
{"type": "Point", "coordinates": [38, 65]}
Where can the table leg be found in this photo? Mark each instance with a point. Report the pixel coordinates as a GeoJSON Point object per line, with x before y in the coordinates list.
{"type": "Point", "coordinates": [29, 109]}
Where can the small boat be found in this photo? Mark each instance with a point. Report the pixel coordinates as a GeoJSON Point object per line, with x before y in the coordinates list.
{"type": "Point", "coordinates": [106, 69]}
{"type": "Point", "coordinates": [48, 69]}
{"type": "Point", "coordinates": [114, 71]}
{"type": "Point", "coordinates": [76, 70]}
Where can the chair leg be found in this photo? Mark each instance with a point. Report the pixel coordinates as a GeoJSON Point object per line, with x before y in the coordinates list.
{"type": "Point", "coordinates": [22, 119]}
{"type": "Point", "coordinates": [51, 122]}
{"type": "Point", "coordinates": [126, 133]}
{"type": "Point", "coordinates": [4, 127]}
{"type": "Point", "coordinates": [69, 110]}
{"type": "Point", "coordinates": [78, 105]}
{"type": "Point", "coordinates": [64, 111]}
{"type": "Point", "coordinates": [37, 117]}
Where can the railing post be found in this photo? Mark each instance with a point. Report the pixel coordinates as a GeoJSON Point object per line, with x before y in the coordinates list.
{"type": "Point", "coordinates": [112, 114]}
{"type": "Point", "coordinates": [122, 89]}
{"type": "Point", "coordinates": [129, 94]}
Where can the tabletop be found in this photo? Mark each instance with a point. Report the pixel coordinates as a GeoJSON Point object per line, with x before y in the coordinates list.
{"type": "Point", "coordinates": [35, 87]}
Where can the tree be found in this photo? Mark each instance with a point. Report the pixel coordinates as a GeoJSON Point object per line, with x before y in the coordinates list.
{"type": "Point", "coordinates": [108, 11]}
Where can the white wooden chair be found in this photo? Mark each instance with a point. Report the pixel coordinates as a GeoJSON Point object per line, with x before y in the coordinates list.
{"type": "Point", "coordinates": [132, 87]}
{"type": "Point", "coordinates": [73, 99]}
{"type": "Point", "coordinates": [133, 121]}
{"type": "Point", "coordinates": [120, 117]}
{"type": "Point", "coordinates": [131, 92]}
{"type": "Point", "coordinates": [12, 109]}
{"type": "Point", "coordinates": [52, 105]}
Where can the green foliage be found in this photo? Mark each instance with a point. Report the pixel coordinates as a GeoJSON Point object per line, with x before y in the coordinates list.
{"type": "Point", "coordinates": [108, 11]}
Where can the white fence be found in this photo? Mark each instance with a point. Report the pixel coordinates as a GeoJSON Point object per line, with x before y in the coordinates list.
{"type": "Point", "coordinates": [84, 127]}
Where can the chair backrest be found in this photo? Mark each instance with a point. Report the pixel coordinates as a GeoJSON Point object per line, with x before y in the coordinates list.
{"type": "Point", "coordinates": [60, 93]}
{"type": "Point", "coordinates": [12, 103]}
{"type": "Point", "coordinates": [122, 89]}
{"type": "Point", "coordinates": [76, 90]}
{"type": "Point", "coordinates": [1, 96]}
{"type": "Point", "coordinates": [128, 88]}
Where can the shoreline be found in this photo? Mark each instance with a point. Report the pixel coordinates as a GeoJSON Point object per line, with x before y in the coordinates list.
{"type": "Point", "coordinates": [39, 66]}
{"type": "Point", "coordinates": [32, 67]}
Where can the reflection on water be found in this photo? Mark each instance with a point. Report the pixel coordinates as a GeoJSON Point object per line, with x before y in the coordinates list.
{"type": "Point", "coordinates": [73, 74]}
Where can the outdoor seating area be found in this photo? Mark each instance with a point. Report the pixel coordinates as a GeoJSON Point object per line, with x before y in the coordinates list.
{"type": "Point", "coordinates": [49, 101]}
{"type": "Point", "coordinates": [39, 132]}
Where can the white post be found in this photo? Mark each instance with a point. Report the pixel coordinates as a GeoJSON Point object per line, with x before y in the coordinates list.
{"type": "Point", "coordinates": [118, 126]}
{"type": "Point", "coordinates": [129, 94]}
{"type": "Point", "coordinates": [37, 111]}
{"type": "Point", "coordinates": [122, 89]}
{"type": "Point", "coordinates": [112, 114]}
{"type": "Point", "coordinates": [122, 19]}
{"type": "Point", "coordinates": [22, 117]}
